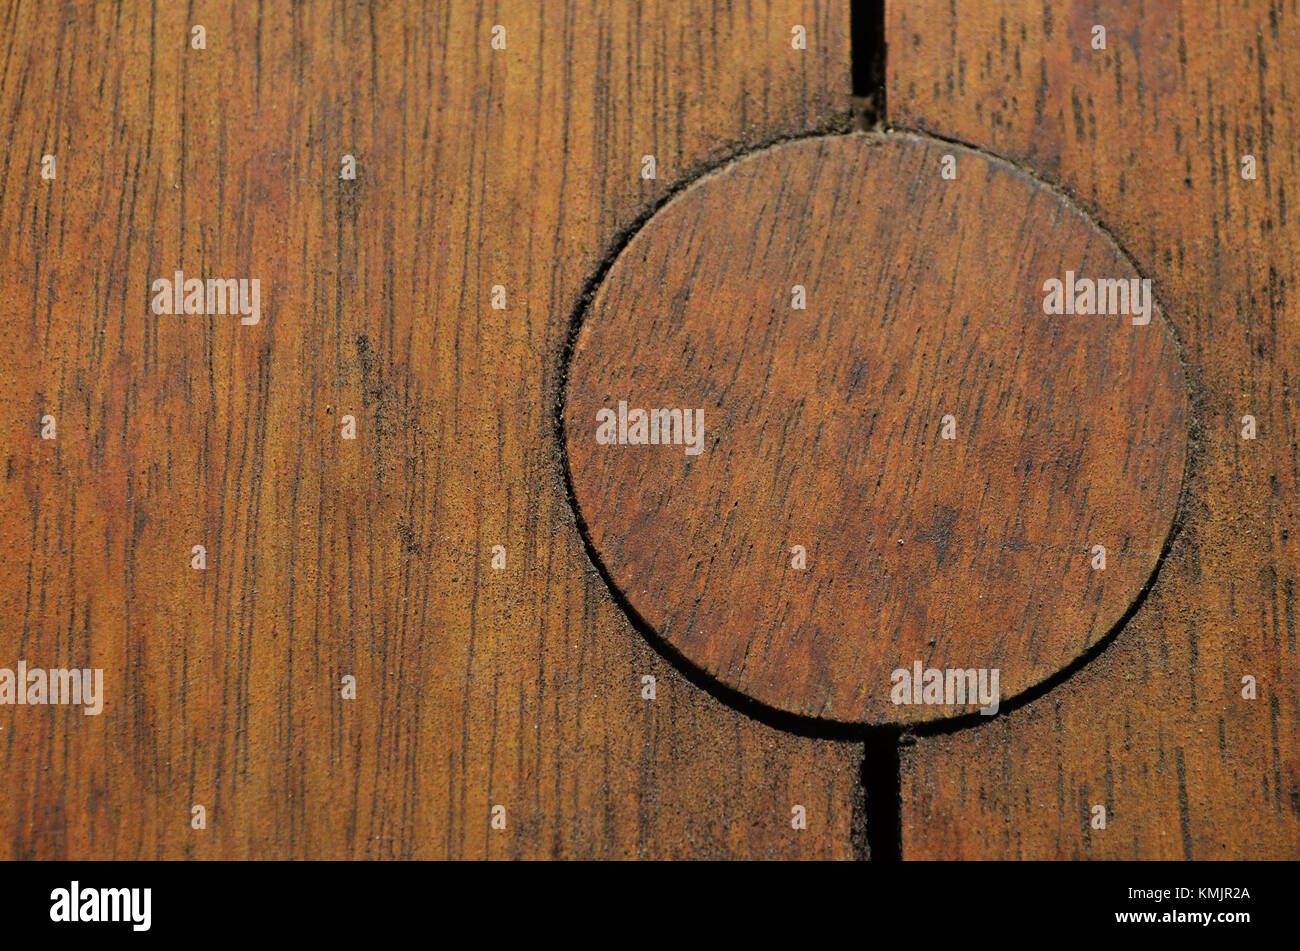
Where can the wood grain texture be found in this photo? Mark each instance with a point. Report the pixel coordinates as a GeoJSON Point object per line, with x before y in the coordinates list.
{"type": "Point", "coordinates": [372, 558]}
{"type": "Point", "coordinates": [1148, 135]}
{"type": "Point", "coordinates": [823, 415]}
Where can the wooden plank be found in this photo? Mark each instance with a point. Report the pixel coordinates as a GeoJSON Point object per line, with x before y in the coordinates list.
{"type": "Point", "coordinates": [370, 558]}
{"type": "Point", "coordinates": [1148, 135]}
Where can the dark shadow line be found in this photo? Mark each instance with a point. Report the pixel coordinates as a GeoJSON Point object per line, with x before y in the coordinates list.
{"type": "Point", "coordinates": [881, 835]}
{"type": "Point", "coordinates": [867, 50]}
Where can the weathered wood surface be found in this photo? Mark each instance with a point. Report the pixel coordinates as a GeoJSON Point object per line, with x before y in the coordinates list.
{"type": "Point", "coordinates": [522, 687]}
{"type": "Point", "coordinates": [372, 558]}
{"type": "Point", "coordinates": [1148, 135]}
{"type": "Point", "coordinates": [858, 356]}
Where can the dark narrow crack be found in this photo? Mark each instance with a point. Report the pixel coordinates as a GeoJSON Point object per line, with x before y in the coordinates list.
{"type": "Point", "coordinates": [868, 49]}
{"type": "Point", "coordinates": [878, 819]}
{"type": "Point", "coordinates": [878, 816]}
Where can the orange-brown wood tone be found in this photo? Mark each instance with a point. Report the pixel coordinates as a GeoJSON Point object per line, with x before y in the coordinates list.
{"type": "Point", "coordinates": [1149, 136]}
{"type": "Point", "coordinates": [437, 559]}
{"type": "Point", "coordinates": [884, 453]}
{"type": "Point", "coordinates": [325, 557]}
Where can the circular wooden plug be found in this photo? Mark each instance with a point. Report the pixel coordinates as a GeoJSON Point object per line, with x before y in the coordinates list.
{"type": "Point", "coordinates": [822, 433]}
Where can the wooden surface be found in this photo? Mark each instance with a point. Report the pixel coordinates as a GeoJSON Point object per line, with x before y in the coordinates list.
{"type": "Point", "coordinates": [824, 427]}
{"type": "Point", "coordinates": [372, 557]}
{"type": "Point", "coordinates": [1148, 136]}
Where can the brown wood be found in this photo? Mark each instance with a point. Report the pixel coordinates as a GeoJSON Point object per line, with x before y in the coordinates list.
{"type": "Point", "coordinates": [1148, 135]}
{"type": "Point", "coordinates": [822, 427]}
{"type": "Point", "coordinates": [373, 558]}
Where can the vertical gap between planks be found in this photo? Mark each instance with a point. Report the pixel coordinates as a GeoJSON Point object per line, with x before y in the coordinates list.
{"type": "Point", "coordinates": [879, 833]}
{"type": "Point", "coordinates": [868, 48]}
